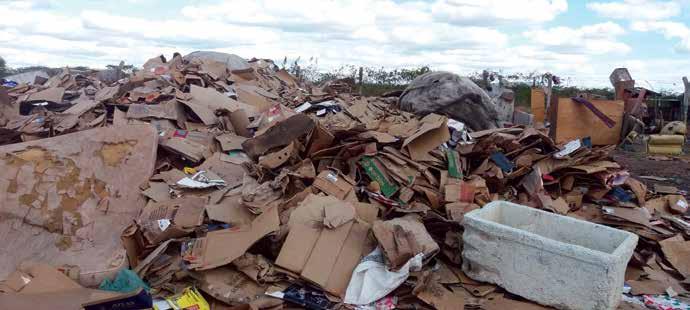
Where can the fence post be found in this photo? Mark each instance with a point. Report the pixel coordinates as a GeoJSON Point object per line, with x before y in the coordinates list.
{"type": "Point", "coordinates": [361, 80]}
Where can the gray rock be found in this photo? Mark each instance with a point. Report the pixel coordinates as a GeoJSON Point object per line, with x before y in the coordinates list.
{"type": "Point", "coordinates": [234, 62]}
{"type": "Point", "coordinates": [452, 95]}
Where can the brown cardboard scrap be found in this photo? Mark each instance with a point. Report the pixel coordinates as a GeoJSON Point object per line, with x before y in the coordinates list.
{"type": "Point", "coordinates": [446, 274]}
{"type": "Point", "coordinates": [158, 191]}
{"type": "Point", "coordinates": [325, 257]}
{"type": "Point", "coordinates": [228, 285]}
{"type": "Point", "coordinates": [167, 219]}
{"type": "Point", "coordinates": [677, 252]}
{"type": "Point", "coordinates": [653, 287]}
{"type": "Point", "coordinates": [411, 233]}
{"type": "Point", "coordinates": [499, 301]}
{"type": "Point", "coordinates": [457, 210]}
{"type": "Point", "coordinates": [460, 192]}
{"type": "Point", "coordinates": [231, 173]}
{"type": "Point", "coordinates": [119, 118]}
{"type": "Point", "coordinates": [107, 93]}
{"type": "Point", "coordinates": [320, 139]}
{"type": "Point", "coordinates": [258, 268]}
{"type": "Point", "coordinates": [398, 245]}
{"type": "Point", "coordinates": [366, 212]}
{"type": "Point", "coordinates": [665, 189]}
{"type": "Point", "coordinates": [441, 298]}
{"type": "Point", "coordinates": [638, 188]}
{"type": "Point", "coordinates": [598, 166]}
{"type": "Point", "coordinates": [170, 177]}
{"type": "Point", "coordinates": [130, 241]}
{"type": "Point", "coordinates": [240, 122]}
{"type": "Point", "coordinates": [86, 169]}
{"type": "Point", "coordinates": [216, 69]}
{"type": "Point", "coordinates": [380, 137]}
{"type": "Point", "coordinates": [36, 278]}
{"type": "Point", "coordinates": [171, 110]}
{"type": "Point", "coordinates": [230, 142]}
{"type": "Point", "coordinates": [230, 210]}
{"type": "Point", "coordinates": [312, 212]}
{"type": "Point", "coordinates": [63, 299]}
{"type": "Point", "coordinates": [259, 197]}
{"type": "Point", "coordinates": [278, 158]}
{"type": "Point", "coordinates": [213, 100]}
{"type": "Point", "coordinates": [81, 106]}
{"type": "Point", "coordinates": [206, 115]}
{"type": "Point", "coordinates": [298, 247]}
{"type": "Point", "coordinates": [431, 134]}
{"type": "Point", "coordinates": [677, 204]}
{"type": "Point", "coordinates": [268, 118]}
{"type": "Point", "coordinates": [221, 247]}
{"type": "Point", "coordinates": [574, 199]}
{"type": "Point", "coordinates": [560, 206]}
{"type": "Point", "coordinates": [53, 94]}
{"type": "Point", "coordinates": [636, 215]}
{"type": "Point", "coordinates": [286, 77]}
{"type": "Point", "coordinates": [334, 183]}
{"type": "Point", "coordinates": [657, 205]}
{"type": "Point", "coordinates": [254, 96]}
{"type": "Point", "coordinates": [337, 216]}
{"type": "Point", "coordinates": [279, 135]}
{"type": "Point", "coordinates": [193, 145]}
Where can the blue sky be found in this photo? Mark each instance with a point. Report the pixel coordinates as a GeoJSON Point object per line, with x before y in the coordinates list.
{"type": "Point", "coordinates": [581, 41]}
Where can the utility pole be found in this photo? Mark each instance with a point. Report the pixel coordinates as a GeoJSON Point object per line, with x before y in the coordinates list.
{"type": "Point", "coordinates": [686, 99]}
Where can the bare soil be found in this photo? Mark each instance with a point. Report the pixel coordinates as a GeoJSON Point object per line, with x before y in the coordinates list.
{"type": "Point", "coordinates": [676, 168]}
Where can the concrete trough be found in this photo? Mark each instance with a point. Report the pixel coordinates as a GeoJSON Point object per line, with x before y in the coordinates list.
{"type": "Point", "coordinates": [551, 259]}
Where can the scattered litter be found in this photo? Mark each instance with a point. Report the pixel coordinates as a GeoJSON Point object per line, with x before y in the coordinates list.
{"type": "Point", "coordinates": [234, 179]}
{"type": "Point", "coordinates": [201, 179]}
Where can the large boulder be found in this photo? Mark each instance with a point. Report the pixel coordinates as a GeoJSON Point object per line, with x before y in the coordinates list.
{"type": "Point", "coordinates": [452, 95]}
{"type": "Point", "coordinates": [232, 61]}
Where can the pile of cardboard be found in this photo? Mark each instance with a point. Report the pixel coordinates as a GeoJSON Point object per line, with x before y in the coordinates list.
{"type": "Point", "coordinates": [266, 193]}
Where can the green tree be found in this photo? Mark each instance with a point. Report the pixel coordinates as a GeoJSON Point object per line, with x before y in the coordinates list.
{"type": "Point", "coordinates": [3, 67]}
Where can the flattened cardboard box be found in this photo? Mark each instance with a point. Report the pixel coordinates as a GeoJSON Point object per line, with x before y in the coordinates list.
{"type": "Point", "coordinates": [281, 134]}
{"type": "Point", "coordinates": [323, 256]}
{"type": "Point", "coordinates": [333, 183]}
{"type": "Point", "coordinates": [377, 173]}
{"type": "Point", "coordinates": [101, 167]}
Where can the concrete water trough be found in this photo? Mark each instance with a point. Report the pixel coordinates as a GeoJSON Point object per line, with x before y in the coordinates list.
{"type": "Point", "coordinates": [551, 259]}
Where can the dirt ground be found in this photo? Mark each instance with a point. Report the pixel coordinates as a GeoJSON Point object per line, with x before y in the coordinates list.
{"type": "Point", "coordinates": [676, 169]}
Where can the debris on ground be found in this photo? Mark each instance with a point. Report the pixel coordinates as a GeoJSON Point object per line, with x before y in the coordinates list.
{"type": "Point", "coordinates": [212, 182]}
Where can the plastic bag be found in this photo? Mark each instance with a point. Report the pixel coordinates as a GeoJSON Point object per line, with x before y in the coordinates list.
{"type": "Point", "coordinates": [371, 280]}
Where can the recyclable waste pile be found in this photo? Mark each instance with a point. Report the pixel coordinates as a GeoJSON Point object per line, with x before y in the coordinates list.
{"type": "Point", "coordinates": [212, 182]}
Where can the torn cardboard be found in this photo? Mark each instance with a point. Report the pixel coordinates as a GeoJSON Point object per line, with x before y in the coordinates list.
{"type": "Point", "coordinates": [431, 134]}
{"type": "Point", "coordinates": [221, 247]}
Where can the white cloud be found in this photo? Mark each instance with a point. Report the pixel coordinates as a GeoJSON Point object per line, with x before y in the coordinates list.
{"type": "Point", "coordinates": [592, 39]}
{"type": "Point", "coordinates": [462, 36]}
{"type": "Point", "coordinates": [636, 9]}
{"type": "Point", "coordinates": [670, 30]}
{"type": "Point", "coordinates": [497, 11]}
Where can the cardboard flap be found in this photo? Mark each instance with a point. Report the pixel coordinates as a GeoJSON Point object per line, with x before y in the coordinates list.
{"type": "Point", "coordinates": [431, 134]}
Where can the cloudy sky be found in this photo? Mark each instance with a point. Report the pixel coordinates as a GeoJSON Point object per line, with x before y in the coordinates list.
{"type": "Point", "coordinates": [579, 40]}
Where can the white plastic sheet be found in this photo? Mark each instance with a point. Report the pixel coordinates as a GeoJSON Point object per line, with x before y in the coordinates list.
{"type": "Point", "coordinates": [372, 280]}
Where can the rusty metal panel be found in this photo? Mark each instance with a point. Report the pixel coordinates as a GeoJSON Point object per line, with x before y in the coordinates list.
{"type": "Point", "coordinates": [65, 200]}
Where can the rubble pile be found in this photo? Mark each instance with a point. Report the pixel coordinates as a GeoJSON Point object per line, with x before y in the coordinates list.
{"type": "Point", "coordinates": [227, 184]}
